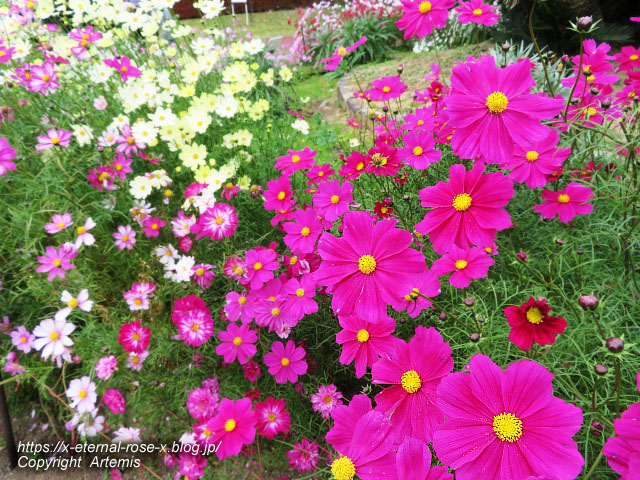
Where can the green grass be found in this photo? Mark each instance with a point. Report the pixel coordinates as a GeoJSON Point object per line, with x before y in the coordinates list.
{"type": "Point", "coordinates": [269, 24]}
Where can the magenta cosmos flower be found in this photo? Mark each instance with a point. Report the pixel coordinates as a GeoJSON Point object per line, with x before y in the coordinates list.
{"type": "Point", "coordinates": [133, 337]}
{"type": "Point", "coordinates": [566, 203]}
{"type": "Point", "coordinates": [414, 301]}
{"type": "Point", "coordinates": [53, 138]}
{"type": "Point", "coordinates": [413, 460]}
{"type": "Point", "coordinates": [468, 209]}
{"type": "Point", "coordinates": [296, 160]}
{"type": "Point", "coordinates": [260, 265]}
{"type": "Point", "coordinates": [304, 455]}
{"type": "Point", "coordinates": [6, 155]}
{"type": "Point", "coordinates": [123, 66]}
{"type": "Point", "coordinates": [414, 370]}
{"type": "Point", "coordinates": [364, 342]}
{"type": "Point", "coordinates": [623, 451]}
{"type": "Point", "coordinates": [55, 262]}
{"type": "Point", "coordinates": [386, 88]}
{"type": "Point", "coordinates": [333, 199]}
{"type": "Point", "coordinates": [531, 323]}
{"type": "Point", "coordinates": [506, 425]}
{"type": "Point", "coordinates": [286, 363]}
{"type": "Point", "coordinates": [491, 109]}
{"type": "Point", "coordinates": [216, 222]}
{"type": "Point", "coordinates": [233, 427]}
{"type": "Point", "coordinates": [58, 223]}
{"type": "Point", "coordinates": [302, 235]}
{"type": "Point", "coordinates": [465, 264]}
{"type": "Point", "coordinates": [278, 195]}
{"type": "Point", "coordinates": [421, 17]}
{"type": "Point", "coordinates": [533, 161]}
{"type": "Point", "coordinates": [419, 152]}
{"type": "Point", "coordinates": [237, 342]}
{"type": "Point", "coordinates": [476, 11]}
{"type": "Point", "coordinates": [341, 52]}
{"type": "Point", "coordinates": [370, 452]}
{"type": "Point", "coordinates": [326, 399]}
{"type": "Point", "coordinates": [273, 417]}
{"type": "Point", "coordinates": [368, 266]}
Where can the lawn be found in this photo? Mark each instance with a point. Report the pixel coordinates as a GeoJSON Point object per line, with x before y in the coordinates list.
{"type": "Point", "coordinates": [273, 23]}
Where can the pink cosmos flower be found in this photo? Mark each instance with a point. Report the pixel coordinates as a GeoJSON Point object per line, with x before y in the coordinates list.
{"type": "Point", "coordinates": [363, 342]}
{"type": "Point", "coordinates": [421, 17]}
{"type": "Point", "coordinates": [135, 360]}
{"type": "Point", "coordinates": [272, 313]}
{"type": "Point", "coordinates": [237, 307]}
{"type": "Point", "coordinates": [134, 337]}
{"type": "Point", "coordinates": [195, 327]}
{"type": "Point", "coordinates": [138, 296]}
{"type": "Point", "coordinates": [300, 296]}
{"type": "Point", "coordinates": [623, 450]}
{"type": "Point", "coordinates": [84, 237]}
{"type": "Point", "coordinates": [125, 237]}
{"type": "Point", "coordinates": [383, 159]}
{"type": "Point", "coordinates": [181, 224]}
{"type": "Point", "coordinates": [237, 342]}
{"type": "Point", "coordinates": [415, 370]}
{"type": "Point", "coordinates": [513, 425]}
{"type": "Point", "coordinates": [56, 262]}
{"type": "Point", "coordinates": [52, 337]}
{"type": "Point", "coordinates": [304, 457]}
{"type": "Point", "coordinates": [531, 323]}
{"type": "Point", "coordinates": [6, 155]}
{"type": "Point", "coordinates": [100, 103]}
{"type": "Point", "coordinates": [296, 160]}
{"type": "Point", "coordinates": [333, 199]}
{"type": "Point", "coordinates": [368, 266]}
{"type": "Point", "coordinates": [22, 339]}
{"type": "Point", "coordinates": [413, 460]}
{"type": "Point", "coordinates": [426, 285]}
{"type": "Point", "coordinates": [216, 222]}
{"type": "Point", "coordinates": [491, 109]}
{"type": "Point", "coordinates": [43, 78]}
{"type": "Point", "coordinates": [124, 67]}
{"type": "Point", "coordinates": [533, 161]}
{"type": "Point", "coordinates": [273, 417]}
{"type": "Point", "coordinates": [202, 404]}
{"type": "Point", "coordinates": [419, 152]}
{"type": "Point", "coordinates": [333, 62]}
{"type": "Point", "coordinates": [320, 173]}
{"type": "Point", "coordinates": [286, 362]}
{"type": "Point", "coordinates": [202, 275]}
{"type": "Point", "coordinates": [126, 143]}
{"type": "Point", "coordinates": [105, 366]}
{"type": "Point", "coordinates": [58, 223]}
{"type": "Point", "coordinates": [302, 235]}
{"type": "Point", "coordinates": [326, 399]}
{"type": "Point", "coordinates": [597, 71]}
{"type": "Point", "coordinates": [233, 427]}
{"type": "Point", "coordinates": [278, 195]}
{"type": "Point", "coordinates": [370, 452]}
{"type": "Point", "coordinates": [53, 138]}
{"type": "Point", "coordinates": [12, 365]}
{"type": "Point", "coordinates": [6, 53]}
{"type": "Point", "coordinates": [566, 203]}
{"type": "Point", "coordinates": [261, 265]}
{"type": "Point", "coordinates": [476, 11]}
{"type": "Point", "coordinates": [251, 371]}
{"type": "Point", "coordinates": [386, 88]}
{"type": "Point", "coordinates": [82, 393]}
{"type": "Point", "coordinates": [467, 264]}
{"type": "Point", "coordinates": [628, 58]}
{"type": "Point", "coordinates": [152, 225]}
{"type": "Point", "coordinates": [355, 166]}
{"type": "Point", "coordinates": [114, 401]}
{"type": "Point", "coordinates": [468, 208]}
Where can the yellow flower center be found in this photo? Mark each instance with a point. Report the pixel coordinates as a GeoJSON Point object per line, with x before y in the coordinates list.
{"type": "Point", "coordinates": [300, 292]}
{"type": "Point", "coordinates": [135, 336]}
{"type": "Point", "coordinates": [343, 468]}
{"type": "Point", "coordinates": [60, 225]}
{"type": "Point", "coordinates": [53, 336]}
{"type": "Point", "coordinates": [55, 140]}
{"type": "Point", "coordinates": [57, 263]}
{"type": "Point", "coordinates": [82, 394]}
{"type": "Point", "coordinates": [367, 264]}
{"type": "Point", "coordinates": [360, 166]}
{"type": "Point", "coordinates": [386, 89]}
{"type": "Point", "coordinates": [535, 316]}
{"type": "Point", "coordinates": [200, 272]}
{"type": "Point", "coordinates": [219, 220]}
{"type": "Point", "coordinates": [195, 327]}
{"type": "Point", "coordinates": [237, 341]}
{"type": "Point", "coordinates": [293, 260]}
{"type": "Point", "coordinates": [532, 156]}
{"type": "Point", "coordinates": [497, 102]}
{"type": "Point", "coordinates": [239, 270]}
{"type": "Point", "coordinates": [275, 312]}
{"type": "Point", "coordinates": [379, 160]}
{"type": "Point", "coordinates": [417, 151]}
{"type": "Point", "coordinates": [285, 362]}
{"type": "Point", "coordinates": [363, 336]}
{"type": "Point", "coordinates": [633, 57]}
{"type": "Point", "coordinates": [230, 425]}
{"type": "Point", "coordinates": [137, 301]}
{"type": "Point", "coordinates": [563, 198]}
{"type": "Point", "coordinates": [295, 158]}
{"type": "Point", "coordinates": [477, 12]}
{"type": "Point", "coordinates": [335, 199]}
{"type": "Point", "coordinates": [281, 195]}
{"type": "Point", "coordinates": [206, 432]}
{"type": "Point", "coordinates": [242, 300]}
{"type": "Point", "coordinates": [410, 381]}
{"type": "Point", "coordinates": [272, 417]}
{"type": "Point", "coordinates": [305, 232]}
{"type": "Point", "coordinates": [461, 264]}
{"type": "Point", "coordinates": [154, 226]}
{"type": "Point", "coordinates": [507, 427]}
{"type": "Point", "coordinates": [591, 111]}
{"type": "Point", "coordinates": [130, 140]}
{"type": "Point", "coordinates": [81, 230]}
{"type": "Point", "coordinates": [257, 266]}
{"type": "Point", "coordinates": [321, 174]}
{"type": "Point", "coordinates": [425, 7]}
{"type": "Point", "coordinates": [73, 303]}
{"type": "Point", "coordinates": [124, 69]}
{"type": "Point", "coordinates": [462, 202]}
{"type": "Point", "coordinates": [46, 78]}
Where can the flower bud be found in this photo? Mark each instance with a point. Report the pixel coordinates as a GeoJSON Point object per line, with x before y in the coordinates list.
{"type": "Point", "coordinates": [469, 301]}
{"type": "Point", "coordinates": [442, 316]}
{"type": "Point", "coordinates": [614, 344]}
{"type": "Point", "coordinates": [522, 256]}
{"type": "Point", "coordinates": [474, 337]}
{"type": "Point", "coordinates": [585, 23]}
{"type": "Point", "coordinates": [506, 47]}
{"type": "Point", "coordinates": [597, 428]}
{"type": "Point", "coordinates": [601, 369]}
{"type": "Point", "coordinates": [588, 302]}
